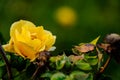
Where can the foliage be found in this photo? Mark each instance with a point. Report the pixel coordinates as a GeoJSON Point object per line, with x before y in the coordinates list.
{"type": "Point", "coordinates": [84, 63]}
{"type": "Point", "coordinates": [28, 56]}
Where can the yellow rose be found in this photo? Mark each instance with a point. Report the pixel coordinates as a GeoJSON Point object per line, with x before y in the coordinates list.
{"type": "Point", "coordinates": [27, 40]}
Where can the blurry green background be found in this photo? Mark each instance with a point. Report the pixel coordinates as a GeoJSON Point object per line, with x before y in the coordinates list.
{"type": "Point", "coordinates": [94, 18]}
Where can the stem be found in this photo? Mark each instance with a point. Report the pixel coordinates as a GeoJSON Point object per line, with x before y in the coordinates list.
{"type": "Point", "coordinates": [100, 55]}
{"type": "Point", "coordinates": [98, 74]}
{"type": "Point", "coordinates": [105, 65]}
{"type": "Point", "coordinates": [34, 74]}
{"type": "Point", "coordinates": [6, 62]}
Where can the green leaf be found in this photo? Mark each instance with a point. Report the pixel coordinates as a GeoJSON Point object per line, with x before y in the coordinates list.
{"type": "Point", "coordinates": [90, 77]}
{"type": "Point", "coordinates": [54, 59]}
{"type": "Point", "coordinates": [8, 57]}
{"type": "Point", "coordinates": [68, 78]}
{"type": "Point", "coordinates": [60, 63]}
{"type": "Point", "coordinates": [2, 63]}
{"type": "Point", "coordinates": [92, 61]}
{"type": "Point", "coordinates": [68, 63]}
{"type": "Point", "coordinates": [95, 41]}
{"type": "Point", "coordinates": [77, 75]}
{"type": "Point", "coordinates": [58, 76]}
{"type": "Point", "coordinates": [81, 64]}
{"type": "Point", "coordinates": [46, 75]}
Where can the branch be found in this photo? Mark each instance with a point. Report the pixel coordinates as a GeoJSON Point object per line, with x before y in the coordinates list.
{"type": "Point", "coordinates": [6, 62]}
{"type": "Point", "coordinates": [105, 65]}
{"type": "Point", "coordinates": [98, 74]}
{"type": "Point", "coordinates": [35, 73]}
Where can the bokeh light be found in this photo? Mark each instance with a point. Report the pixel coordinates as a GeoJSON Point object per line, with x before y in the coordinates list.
{"type": "Point", "coordinates": [65, 16]}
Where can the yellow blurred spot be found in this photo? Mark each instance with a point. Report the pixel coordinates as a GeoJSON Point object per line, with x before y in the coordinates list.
{"type": "Point", "coordinates": [65, 16]}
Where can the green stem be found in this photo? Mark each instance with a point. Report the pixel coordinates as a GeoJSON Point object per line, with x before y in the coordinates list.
{"type": "Point", "coordinates": [35, 73]}
{"type": "Point", "coordinates": [6, 62]}
{"type": "Point", "coordinates": [100, 56]}
{"type": "Point", "coordinates": [98, 74]}
{"type": "Point", "coordinates": [105, 65]}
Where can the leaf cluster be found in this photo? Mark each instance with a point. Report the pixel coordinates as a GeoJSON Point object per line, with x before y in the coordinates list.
{"type": "Point", "coordinates": [83, 64]}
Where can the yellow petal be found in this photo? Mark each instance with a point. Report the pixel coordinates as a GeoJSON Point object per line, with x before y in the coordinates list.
{"type": "Point", "coordinates": [26, 50]}
{"type": "Point", "coordinates": [38, 29]}
{"type": "Point", "coordinates": [18, 25]}
{"type": "Point", "coordinates": [9, 47]}
{"type": "Point", "coordinates": [17, 51]}
{"type": "Point", "coordinates": [24, 36]}
{"type": "Point", "coordinates": [40, 32]}
{"type": "Point", "coordinates": [36, 44]}
{"type": "Point", "coordinates": [50, 42]}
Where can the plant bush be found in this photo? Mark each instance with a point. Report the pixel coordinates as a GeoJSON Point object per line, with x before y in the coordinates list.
{"type": "Point", "coordinates": [22, 60]}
